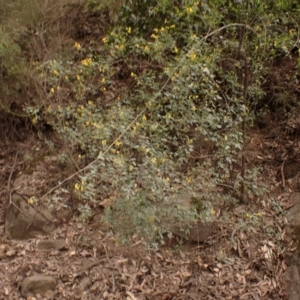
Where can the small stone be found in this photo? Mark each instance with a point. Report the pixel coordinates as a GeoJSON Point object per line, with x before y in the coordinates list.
{"type": "Point", "coordinates": [37, 284]}
{"type": "Point", "coordinates": [52, 245]}
{"type": "Point", "coordinates": [85, 284]}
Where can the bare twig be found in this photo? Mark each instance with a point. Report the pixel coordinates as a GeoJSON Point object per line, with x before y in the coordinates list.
{"type": "Point", "coordinates": [282, 174]}
{"type": "Point", "coordinates": [230, 187]}
{"type": "Point", "coordinates": [10, 176]}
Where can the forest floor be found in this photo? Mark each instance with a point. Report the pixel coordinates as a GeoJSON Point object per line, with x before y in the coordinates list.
{"type": "Point", "coordinates": [238, 261]}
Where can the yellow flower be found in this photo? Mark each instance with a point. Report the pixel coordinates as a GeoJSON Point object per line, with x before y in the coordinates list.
{"type": "Point", "coordinates": [87, 62]}
{"type": "Point", "coordinates": [104, 142]}
{"type": "Point", "coordinates": [118, 143]}
{"type": "Point", "coordinates": [77, 46]}
{"type": "Point", "coordinates": [105, 40]}
{"type": "Point", "coordinates": [128, 29]}
{"type": "Point", "coordinates": [78, 77]}
{"type": "Point", "coordinates": [55, 72]}
{"type": "Point", "coordinates": [154, 160]}
{"type": "Point", "coordinates": [189, 10]}
{"type": "Point", "coordinates": [193, 56]}
{"type": "Point", "coordinates": [144, 118]}
{"type": "Point", "coordinates": [147, 49]}
{"type": "Point", "coordinates": [154, 36]}
{"type": "Point", "coordinates": [103, 80]}
{"type": "Point", "coordinates": [189, 179]}
{"type": "Point", "coordinates": [52, 90]}
{"type": "Point", "coordinates": [34, 120]}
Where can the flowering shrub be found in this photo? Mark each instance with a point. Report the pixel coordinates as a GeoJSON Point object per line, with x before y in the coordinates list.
{"type": "Point", "coordinates": [195, 75]}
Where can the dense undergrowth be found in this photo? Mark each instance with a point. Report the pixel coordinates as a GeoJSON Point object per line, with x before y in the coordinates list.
{"type": "Point", "coordinates": [158, 102]}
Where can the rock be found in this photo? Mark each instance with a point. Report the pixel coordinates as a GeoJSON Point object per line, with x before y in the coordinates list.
{"type": "Point", "coordinates": [296, 182]}
{"type": "Point", "coordinates": [85, 284]}
{"type": "Point", "coordinates": [293, 214]}
{"type": "Point", "coordinates": [52, 245]}
{"type": "Point", "coordinates": [291, 169]}
{"type": "Point", "coordinates": [37, 284]}
{"type": "Point", "coordinates": [22, 221]}
{"type": "Point", "coordinates": [197, 231]}
{"type": "Point", "coordinates": [292, 275]}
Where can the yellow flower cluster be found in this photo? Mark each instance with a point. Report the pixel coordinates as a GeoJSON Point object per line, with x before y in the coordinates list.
{"type": "Point", "coordinates": [154, 35]}
{"type": "Point", "coordinates": [189, 10]}
{"type": "Point", "coordinates": [87, 62]}
{"type": "Point", "coordinates": [118, 143]}
{"type": "Point", "coordinates": [79, 186]}
{"type": "Point", "coordinates": [119, 47]}
{"type": "Point", "coordinates": [77, 46]}
{"type": "Point", "coordinates": [154, 160]}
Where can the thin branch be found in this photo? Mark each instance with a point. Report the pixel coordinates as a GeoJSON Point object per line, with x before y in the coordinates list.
{"type": "Point", "coordinates": [10, 176]}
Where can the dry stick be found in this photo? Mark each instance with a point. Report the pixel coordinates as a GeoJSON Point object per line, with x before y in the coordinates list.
{"type": "Point", "coordinates": [282, 174]}
{"type": "Point", "coordinates": [144, 109]}
{"type": "Point", "coordinates": [245, 88]}
{"type": "Point", "coordinates": [245, 83]}
{"type": "Point", "coordinates": [10, 176]}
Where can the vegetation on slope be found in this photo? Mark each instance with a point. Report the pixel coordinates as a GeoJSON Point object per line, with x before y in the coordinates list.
{"type": "Point", "coordinates": [156, 103]}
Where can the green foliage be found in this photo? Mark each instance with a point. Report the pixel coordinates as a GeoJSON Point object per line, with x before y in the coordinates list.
{"type": "Point", "coordinates": [11, 67]}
